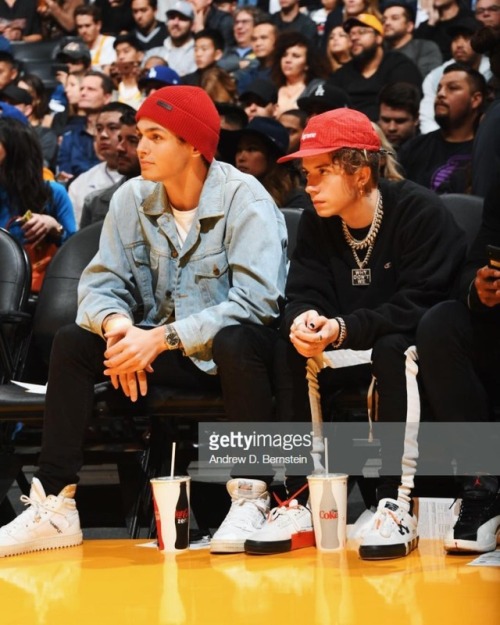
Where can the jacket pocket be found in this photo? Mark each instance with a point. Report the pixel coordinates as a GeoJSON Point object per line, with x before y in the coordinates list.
{"type": "Point", "coordinates": [212, 277]}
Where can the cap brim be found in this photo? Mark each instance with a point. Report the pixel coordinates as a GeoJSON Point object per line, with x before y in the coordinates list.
{"type": "Point", "coordinates": [304, 153]}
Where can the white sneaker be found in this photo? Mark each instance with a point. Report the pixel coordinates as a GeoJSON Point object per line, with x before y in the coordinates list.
{"type": "Point", "coordinates": [287, 527]}
{"type": "Point", "coordinates": [250, 505]}
{"type": "Point", "coordinates": [392, 533]}
{"type": "Point", "coordinates": [50, 522]}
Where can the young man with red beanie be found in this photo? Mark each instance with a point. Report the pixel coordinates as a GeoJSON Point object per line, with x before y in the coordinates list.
{"type": "Point", "coordinates": [189, 249]}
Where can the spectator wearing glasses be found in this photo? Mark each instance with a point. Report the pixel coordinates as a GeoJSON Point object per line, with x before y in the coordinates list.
{"type": "Point", "coordinates": [241, 55]}
{"type": "Point", "coordinates": [371, 67]}
{"type": "Point", "coordinates": [488, 12]}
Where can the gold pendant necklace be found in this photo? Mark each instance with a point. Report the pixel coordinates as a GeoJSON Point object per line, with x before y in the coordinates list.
{"type": "Point", "coordinates": [363, 275]}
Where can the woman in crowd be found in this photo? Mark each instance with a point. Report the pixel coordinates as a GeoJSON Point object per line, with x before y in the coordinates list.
{"type": "Point", "coordinates": [40, 119]}
{"type": "Point", "coordinates": [296, 65]}
{"type": "Point", "coordinates": [338, 49]}
{"type": "Point", "coordinates": [33, 209]}
{"type": "Point", "coordinates": [255, 149]}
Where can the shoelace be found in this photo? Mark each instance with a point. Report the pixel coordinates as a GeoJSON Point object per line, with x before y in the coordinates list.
{"type": "Point", "coordinates": [33, 510]}
{"type": "Point", "coordinates": [281, 512]}
{"type": "Point", "coordinates": [236, 513]}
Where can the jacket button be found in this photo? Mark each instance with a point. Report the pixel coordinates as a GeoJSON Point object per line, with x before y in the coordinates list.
{"type": "Point", "coordinates": [216, 271]}
{"type": "Point", "coordinates": [174, 254]}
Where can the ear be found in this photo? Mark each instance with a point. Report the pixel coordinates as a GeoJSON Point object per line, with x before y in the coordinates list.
{"type": "Point", "coordinates": [477, 99]}
{"type": "Point", "coordinates": [218, 55]}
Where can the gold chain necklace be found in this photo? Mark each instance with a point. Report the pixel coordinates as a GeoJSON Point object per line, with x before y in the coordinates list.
{"type": "Point", "coordinates": [362, 275]}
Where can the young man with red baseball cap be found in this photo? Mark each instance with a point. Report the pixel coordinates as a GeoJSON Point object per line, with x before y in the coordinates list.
{"type": "Point", "coordinates": [371, 258]}
{"type": "Point", "coordinates": [191, 248]}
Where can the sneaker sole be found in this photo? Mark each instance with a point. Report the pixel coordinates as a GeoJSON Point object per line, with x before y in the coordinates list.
{"type": "Point", "coordinates": [469, 546]}
{"type": "Point", "coordinates": [45, 544]}
{"type": "Point", "coordinates": [221, 546]}
{"type": "Point", "coordinates": [387, 552]}
{"type": "Point", "coordinates": [297, 541]}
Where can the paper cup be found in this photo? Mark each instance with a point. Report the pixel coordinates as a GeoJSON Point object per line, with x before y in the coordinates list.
{"type": "Point", "coordinates": [328, 498]}
{"type": "Point", "coordinates": [171, 505]}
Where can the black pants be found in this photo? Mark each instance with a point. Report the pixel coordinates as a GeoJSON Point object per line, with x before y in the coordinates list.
{"type": "Point", "coordinates": [77, 363]}
{"type": "Point", "coordinates": [388, 367]}
{"type": "Point", "coordinates": [459, 357]}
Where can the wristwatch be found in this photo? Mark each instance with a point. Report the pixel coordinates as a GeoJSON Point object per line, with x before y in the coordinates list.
{"type": "Point", "coordinates": [172, 340]}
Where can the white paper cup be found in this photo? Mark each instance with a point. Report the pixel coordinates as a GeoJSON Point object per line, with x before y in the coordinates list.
{"type": "Point", "coordinates": [328, 499]}
{"type": "Point", "coordinates": [171, 505]}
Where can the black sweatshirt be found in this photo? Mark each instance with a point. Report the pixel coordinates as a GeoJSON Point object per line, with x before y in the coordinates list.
{"type": "Point", "coordinates": [415, 262]}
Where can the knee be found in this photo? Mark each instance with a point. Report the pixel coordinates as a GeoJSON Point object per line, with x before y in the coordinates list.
{"type": "Point", "coordinates": [439, 328]}
{"type": "Point", "coordinates": [237, 344]}
{"type": "Point", "coordinates": [390, 347]}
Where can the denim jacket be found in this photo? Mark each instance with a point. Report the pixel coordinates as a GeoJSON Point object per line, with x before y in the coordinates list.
{"type": "Point", "coordinates": [230, 270]}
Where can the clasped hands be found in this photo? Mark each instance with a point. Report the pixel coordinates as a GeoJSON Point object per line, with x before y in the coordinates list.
{"type": "Point", "coordinates": [311, 333]}
{"type": "Point", "coordinates": [129, 354]}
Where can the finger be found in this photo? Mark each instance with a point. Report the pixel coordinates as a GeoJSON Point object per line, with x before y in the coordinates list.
{"type": "Point", "coordinates": [142, 378]}
{"type": "Point", "coordinates": [132, 386]}
{"type": "Point", "coordinates": [115, 382]}
{"type": "Point", "coordinates": [124, 384]}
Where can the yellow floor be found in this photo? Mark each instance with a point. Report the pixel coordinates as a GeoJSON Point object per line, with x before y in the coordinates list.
{"type": "Point", "coordinates": [105, 582]}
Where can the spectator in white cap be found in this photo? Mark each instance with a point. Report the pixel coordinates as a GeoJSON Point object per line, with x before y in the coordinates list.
{"type": "Point", "coordinates": [178, 47]}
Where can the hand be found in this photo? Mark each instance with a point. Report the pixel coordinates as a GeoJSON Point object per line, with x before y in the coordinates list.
{"type": "Point", "coordinates": [38, 227]}
{"type": "Point", "coordinates": [129, 354]}
{"type": "Point", "coordinates": [311, 333]}
{"type": "Point", "coordinates": [487, 283]}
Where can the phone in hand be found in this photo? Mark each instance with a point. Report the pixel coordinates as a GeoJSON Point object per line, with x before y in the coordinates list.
{"type": "Point", "coordinates": [493, 253]}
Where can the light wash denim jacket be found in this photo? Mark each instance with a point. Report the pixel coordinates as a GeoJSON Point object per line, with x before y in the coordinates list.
{"type": "Point", "coordinates": [231, 268]}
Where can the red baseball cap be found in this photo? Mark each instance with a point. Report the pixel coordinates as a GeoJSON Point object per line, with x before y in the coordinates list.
{"type": "Point", "coordinates": [334, 130]}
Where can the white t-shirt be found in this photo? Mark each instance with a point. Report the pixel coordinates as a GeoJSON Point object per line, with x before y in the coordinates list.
{"type": "Point", "coordinates": [183, 222]}
{"type": "Point", "coordinates": [102, 52]}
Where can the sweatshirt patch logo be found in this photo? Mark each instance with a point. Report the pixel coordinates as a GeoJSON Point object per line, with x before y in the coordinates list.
{"type": "Point", "coordinates": [388, 265]}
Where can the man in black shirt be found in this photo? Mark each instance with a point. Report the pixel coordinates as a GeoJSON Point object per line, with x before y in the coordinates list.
{"type": "Point", "coordinates": [371, 68]}
{"type": "Point", "coordinates": [440, 160]}
{"type": "Point", "coordinates": [370, 259]}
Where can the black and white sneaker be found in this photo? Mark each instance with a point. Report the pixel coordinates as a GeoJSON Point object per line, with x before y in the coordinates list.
{"type": "Point", "coordinates": [391, 532]}
{"type": "Point", "coordinates": [478, 526]}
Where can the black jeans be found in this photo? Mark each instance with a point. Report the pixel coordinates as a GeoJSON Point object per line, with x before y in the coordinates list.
{"type": "Point", "coordinates": [242, 354]}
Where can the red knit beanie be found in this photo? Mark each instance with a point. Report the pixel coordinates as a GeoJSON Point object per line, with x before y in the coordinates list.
{"type": "Point", "coordinates": [188, 112]}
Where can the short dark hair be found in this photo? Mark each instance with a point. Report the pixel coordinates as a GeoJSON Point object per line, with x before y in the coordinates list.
{"type": "Point", "coordinates": [107, 83]}
{"type": "Point", "coordinates": [214, 35]}
{"type": "Point", "coordinates": [401, 95]}
{"type": "Point", "coordinates": [409, 11]}
{"type": "Point", "coordinates": [152, 3]}
{"type": "Point", "coordinates": [301, 115]}
{"type": "Point", "coordinates": [117, 107]}
{"type": "Point", "coordinates": [89, 9]}
{"type": "Point", "coordinates": [7, 57]}
{"type": "Point", "coordinates": [129, 38]}
{"type": "Point", "coordinates": [128, 117]}
{"type": "Point", "coordinates": [476, 80]}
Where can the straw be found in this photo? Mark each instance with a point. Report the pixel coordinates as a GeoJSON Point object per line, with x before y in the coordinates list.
{"type": "Point", "coordinates": [326, 455]}
{"type": "Point", "coordinates": [172, 464]}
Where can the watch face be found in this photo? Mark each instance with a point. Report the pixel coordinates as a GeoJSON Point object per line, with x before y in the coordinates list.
{"type": "Point", "coordinates": [172, 339]}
